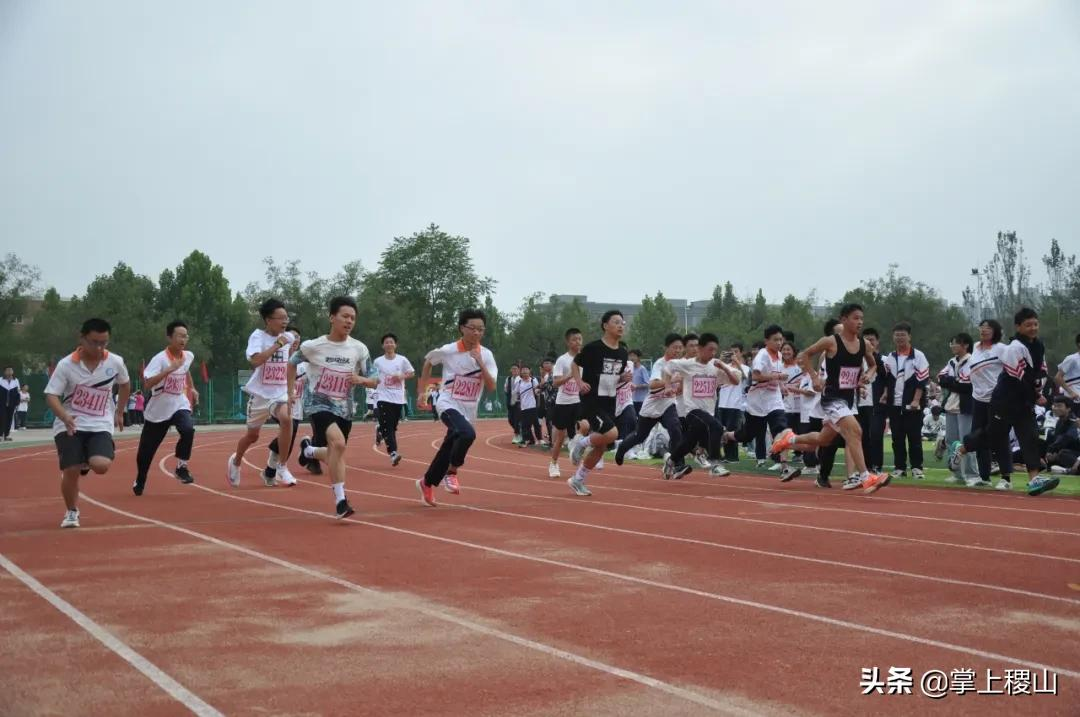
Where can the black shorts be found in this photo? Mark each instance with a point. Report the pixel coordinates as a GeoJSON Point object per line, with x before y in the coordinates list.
{"type": "Point", "coordinates": [78, 449]}
{"type": "Point", "coordinates": [565, 416]}
{"type": "Point", "coordinates": [321, 421]}
{"type": "Point", "coordinates": [600, 420]}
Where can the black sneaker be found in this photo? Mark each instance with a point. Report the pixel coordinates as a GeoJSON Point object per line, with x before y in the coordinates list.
{"type": "Point", "coordinates": [683, 470]}
{"type": "Point", "coordinates": [822, 482]}
{"type": "Point", "coordinates": [138, 486]}
{"type": "Point", "coordinates": [302, 459]}
{"type": "Point", "coordinates": [184, 475]}
{"type": "Point", "coordinates": [620, 453]}
{"type": "Point", "coordinates": [344, 510]}
{"type": "Point", "coordinates": [314, 467]}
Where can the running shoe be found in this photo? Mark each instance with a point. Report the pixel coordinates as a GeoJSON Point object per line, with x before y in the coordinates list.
{"type": "Point", "coordinates": [577, 485]}
{"type": "Point", "coordinates": [450, 482]}
{"type": "Point", "coordinates": [1042, 484]}
{"type": "Point", "coordinates": [71, 519]}
{"type": "Point", "coordinates": [853, 482]}
{"type": "Point", "coordinates": [344, 510]}
{"type": "Point", "coordinates": [285, 477]}
{"type": "Point", "coordinates": [668, 468]}
{"type": "Point", "coordinates": [917, 473]}
{"type": "Point", "coordinates": [783, 442]}
{"type": "Point", "coordinates": [954, 456]}
{"type": "Point", "coordinates": [137, 487]}
{"type": "Point", "coordinates": [395, 458]}
{"type": "Point", "coordinates": [184, 475]}
{"type": "Point", "coordinates": [790, 473]}
{"type": "Point", "coordinates": [719, 471]}
{"type": "Point", "coordinates": [1003, 484]}
{"type": "Point", "coordinates": [684, 470]}
{"type": "Point", "coordinates": [269, 476]}
{"type": "Point", "coordinates": [620, 452]}
{"type": "Point", "coordinates": [553, 470]}
{"type": "Point", "coordinates": [703, 461]}
{"type": "Point", "coordinates": [977, 483]}
{"type": "Point", "coordinates": [811, 471]}
{"type": "Point", "coordinates": [875, 482]}
{"type": "Point", "coordinates": [823, 482]}
{"type": "Point", "coordinates": [899, 473]}
{"type": "Point", "coordinates": [232, 472]}
{"type": "Point", "coordinates": [314, 467]}
{"type": "Point", "coordinates": [427, 494]}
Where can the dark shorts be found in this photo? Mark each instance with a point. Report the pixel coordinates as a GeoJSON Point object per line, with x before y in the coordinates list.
{"type": "Point", "coordinates": [78, 449]}
{"type": "Point", "coordinates": [321, 421]}
{"type": "Point", "coordinates": [565, 416]}
{"type": "Point", "coordinates": [600, 420]}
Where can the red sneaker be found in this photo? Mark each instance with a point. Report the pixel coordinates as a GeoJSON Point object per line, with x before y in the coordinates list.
{"type": "Point", "coordinates": [783, 442]}
{"type": "Point", "coordinates": [451, 483]}
{"type": "Point", "coordinates": [875, 482]}
{"type": "Point", "coordinates": [427, 495]}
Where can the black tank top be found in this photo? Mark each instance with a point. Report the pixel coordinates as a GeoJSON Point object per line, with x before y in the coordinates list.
{"type": "Point", "coordinates": [843, 372]}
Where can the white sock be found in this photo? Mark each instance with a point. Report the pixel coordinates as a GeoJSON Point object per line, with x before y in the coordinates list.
{"type": "Point", "coordinates": [582, 472]}
{"type": "Point", "coordinates": [273, 461]}
{"type": "Point", "coordinates": [181, 463]}
{"type": "Point", "coordinates": [309, 452]}
{"type": "Point", "coordinates": [339, 491]}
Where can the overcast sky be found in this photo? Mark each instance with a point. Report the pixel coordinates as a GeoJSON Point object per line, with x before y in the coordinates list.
{"type": "Point", "coordinates": [603, 148]}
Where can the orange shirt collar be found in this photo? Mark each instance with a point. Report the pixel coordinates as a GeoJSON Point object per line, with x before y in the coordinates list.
{"type": "Point", "coordinates": [76, 355]}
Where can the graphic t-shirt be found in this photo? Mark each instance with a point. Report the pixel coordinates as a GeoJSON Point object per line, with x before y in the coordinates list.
{"type": "Point", "coordinates": [601, 368]}
{"type": "Point", "coordinates": [328, 386]}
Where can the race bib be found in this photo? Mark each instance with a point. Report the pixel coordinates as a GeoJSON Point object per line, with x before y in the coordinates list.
{"type": "Point", "coordinates": [703, 387]}
{"type": "Point", "coordinates": [274, 373]}
{"type": "Point", "coordinates": [90, 401]}
{"type": "Point", "coordinates": [334, 384]}
{"type": "Point", "coordinates": [175, 384]}
{"type": "Point", "coordinates": [571, 388]}
{"type": "Point", "coordinates": [391, 381]}
{"type": "Point", "coordinates": [466, 388]}
{"type": "Point", "coordinates": [849, 377]}
{"type": "Point", "coordinates": [624, 396]}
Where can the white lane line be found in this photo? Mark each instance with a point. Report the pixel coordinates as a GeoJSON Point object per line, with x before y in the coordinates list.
{"type": "Point", "coordinates": [440, 613]}
{"type": "Point", "coordinates": [695, 541]}
{"type": "Point", "coordinates": [759, 521]}
{"type": "Point", "coordinates": [831, 509]}
{"type": "Point", "coordinates": [812, 617]}
{"type": "Point", "coordinates": [154, 673]}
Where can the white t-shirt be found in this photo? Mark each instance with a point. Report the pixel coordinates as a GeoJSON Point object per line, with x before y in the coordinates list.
{"type": "Point", "coordinates": [24, 401]}
{"type": "Point", "coordinates": [171, 394]}
{"type": "Point", "coordinates": [569, 392]}
{"type": "Point", "coordinates": [792, 400]}
{"type": "Point", "coordinates": [699, 383]}
{"type": "Point", "coordinates": [865, 395]}
{"type": "Point", "coordinates": [462, 381]}
{"type": "Point", "coordinates": [763, 398]}
{"type": "Point", "coordinates": [1070, 367]}
{"type": "Point", "coordinates": [526, 396]}
{"type": "Point", "coordinates": [658, 399]}
{"type": "Point", "coordinates": [391, 388]}
{"type": "Point", "coordinates": [984, 369]}
{"type": "Point", "coordinates": [268, 381]}
{"type": "Point", "coordinates": [86, 395]}
{"type": "Point", "coordinates": [810, 406]}
{"type": "Point", "coordinates": [328, 386]}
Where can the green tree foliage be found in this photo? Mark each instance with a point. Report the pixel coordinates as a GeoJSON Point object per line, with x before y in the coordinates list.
{"type": "Point", "coordinates": [128, 301]}
{"type": "Point", "coordinates": [53, 332]}
{"type": "Point", "coordinates": [18, 281]}
{"type": "Point", "coordinates": [655, 321]}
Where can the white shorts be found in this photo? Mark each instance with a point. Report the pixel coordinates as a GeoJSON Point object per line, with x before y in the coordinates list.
{"type": "Point", "coordinates": [259, 410]}
{"type": "Point", "coordinates": [836, 411]}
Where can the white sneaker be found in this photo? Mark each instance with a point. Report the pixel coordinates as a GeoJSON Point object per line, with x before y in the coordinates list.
{"type": "Point", "coordinates": [599, 465]}
{"type": "Point", "coordinates": [577, 485]}
{"type": "Point", "coordinates": [759, 464]}
{"type": "Point", "coordinates": [553, 470]}
{"type": "Point", "coordinates": [285, 477]}
{"type": "Point", "coordinates": [1003, 485]}
{"type": "Point", "coordinates": [232, 472]}
{"type": "Point", "coordinates": [1059, 470]}
{"type": "Point", "coordinates": [953, 479]}
{"type": "Point", "coordinates": [812, 471]}
{"type": "Point", "coordinates": [977, 483]}
{"type": "Point", "coordinates": [776, 467]}
{"type": "Point", "coordinates": [917, 473]}
{"type": "Point", "coordinates": [719, 471]}
{"type": "Point", "coordinates": [71, 519]}
{"type": "Point", "coordinates": [899, 473]}
{"type": "Point", "coordinates": [702, 460]}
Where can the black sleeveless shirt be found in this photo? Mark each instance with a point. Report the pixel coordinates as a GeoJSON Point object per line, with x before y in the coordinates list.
{"type": "Point", "coordinates": [843, 372]}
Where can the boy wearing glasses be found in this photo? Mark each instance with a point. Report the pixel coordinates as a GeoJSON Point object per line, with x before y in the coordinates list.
{"type": "Point", "coordinates": [468, 369]}
{"type": "Point", "coordinates": [80, 395]}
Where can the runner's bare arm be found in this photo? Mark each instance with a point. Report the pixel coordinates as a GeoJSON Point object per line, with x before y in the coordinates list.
{"type": "Point", "coordinates": [53, 401]}
{"type": "Point", "coordinates": [805, 356]}
{"type": "Point", "coordinates": [871, 363]}
{"type": "Point", "coordinates": [159, 377]}
{"type": "Point", "coordinates": [262, 357]}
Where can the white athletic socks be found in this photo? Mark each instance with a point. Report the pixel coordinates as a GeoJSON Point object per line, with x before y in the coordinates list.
{"type": "Point", "coordinates": [181, 463]}
{"type": "Point", "coordinates": [339, 491]}
{"type": "Point", "coordinates": [309, 452]}
{"type": "Point", "coordinates": [273, 461]}
{"type": "Point", "coordinates": [582, 472]}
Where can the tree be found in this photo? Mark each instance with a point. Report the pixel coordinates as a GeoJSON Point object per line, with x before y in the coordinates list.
{"type": "Point", "coordinates": [304, 294]}
{"type": "Point", "coordinates": [52, 333]}
{"type": "Point", "coordinates": [128, 301]}
{"type": "Point", "coordinates": [655, 321]}
{"type": "Point", "coordinates": [423, 282]}
{"type": "Point", "coordinates": [1004, 284]}
{"type": "Point", "coordinates": [1059, 306]}
{"type": "Point", "coordinates": [17, 281]}
{"type": "Point", "coordinates": [198, 293]}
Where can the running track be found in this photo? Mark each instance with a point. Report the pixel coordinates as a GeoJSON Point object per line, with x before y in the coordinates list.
{"type": "Point", "coordinates": [702, 596]}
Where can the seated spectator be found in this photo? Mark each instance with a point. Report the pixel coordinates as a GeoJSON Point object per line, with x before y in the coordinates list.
{"type": "Point", "coordinates": [933, 427]}
{"type": "Point", "coordinates": [1063, 441]}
